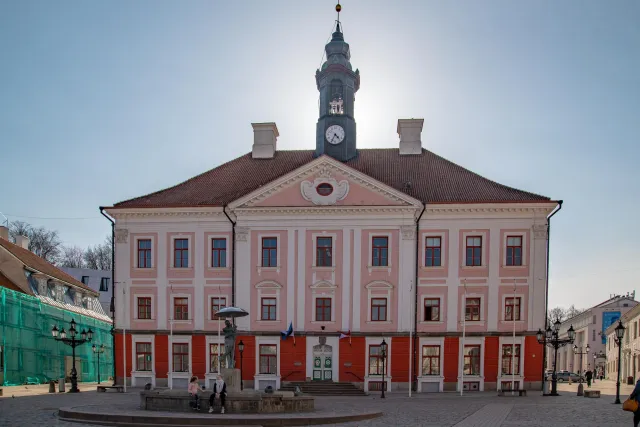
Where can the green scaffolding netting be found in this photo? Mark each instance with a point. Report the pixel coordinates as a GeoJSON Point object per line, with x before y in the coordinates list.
{"type": "Point", "coordinates": [30, 355]}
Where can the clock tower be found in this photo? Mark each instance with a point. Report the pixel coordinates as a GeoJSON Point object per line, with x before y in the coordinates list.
{"type": "Point", "coordinates": [337, 84]}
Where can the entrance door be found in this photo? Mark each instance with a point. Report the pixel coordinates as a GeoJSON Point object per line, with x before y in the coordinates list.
{"type": "Point", "coordinates": [322, 362]}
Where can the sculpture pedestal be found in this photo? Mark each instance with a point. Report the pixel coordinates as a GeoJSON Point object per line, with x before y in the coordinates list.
{"type": "Point", "coordinates": [232, 379]}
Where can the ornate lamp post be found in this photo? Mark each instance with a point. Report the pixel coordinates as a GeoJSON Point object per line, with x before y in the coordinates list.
{"type": "Point", "coordinates": [383, 350]}
{"type": "Point", "coordinates": [551, 338]}
{"type": "Point", "coordinates": [241, 350]}
{"type": "Point", "coordinates": [619, 335]}
{"type": "Point", "coordinates": [578, 350]}
{"type": "Point", "coordinates": [98, 351]}
{"type": "Point", "coordinates": [61, 335]}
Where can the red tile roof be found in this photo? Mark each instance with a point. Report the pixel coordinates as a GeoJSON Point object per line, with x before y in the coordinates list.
{"type": "Point", "coordinates": [432, 179]}
{"type": "Point", "coordinates": [34, 262]}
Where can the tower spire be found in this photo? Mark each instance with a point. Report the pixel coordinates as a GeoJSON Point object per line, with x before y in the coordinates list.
{"type": "Point", "coordinates": [337, 35]}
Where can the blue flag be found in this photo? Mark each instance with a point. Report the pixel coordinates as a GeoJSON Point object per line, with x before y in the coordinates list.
{"type": "Point", "coordinates": [288, 333]}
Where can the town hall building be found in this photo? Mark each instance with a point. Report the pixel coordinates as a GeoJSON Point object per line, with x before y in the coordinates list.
{"type": "Point", "coordinates": [352, 247]}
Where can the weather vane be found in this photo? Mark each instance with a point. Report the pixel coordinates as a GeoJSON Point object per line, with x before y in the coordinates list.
{"type": "Point", "coordinates": [338, 9]}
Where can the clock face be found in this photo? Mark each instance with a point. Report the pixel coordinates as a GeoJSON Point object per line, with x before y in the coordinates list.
{"type": "Point", "coordinates": [334, 134]}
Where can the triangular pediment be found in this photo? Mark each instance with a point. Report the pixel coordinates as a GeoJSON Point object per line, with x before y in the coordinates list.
{"type": "Point", "coordinates": [325, 182]}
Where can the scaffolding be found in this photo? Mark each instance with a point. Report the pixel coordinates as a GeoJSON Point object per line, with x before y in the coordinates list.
{"type": "Point", "coordinates": [30, 355]}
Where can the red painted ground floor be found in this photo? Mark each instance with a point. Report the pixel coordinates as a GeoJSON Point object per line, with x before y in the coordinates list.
{"type": "Point", "coordinates": [490, 362]}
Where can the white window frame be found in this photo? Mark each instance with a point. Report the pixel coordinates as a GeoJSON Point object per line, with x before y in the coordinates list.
{"type": "Point", "coordinates": [135, 302]}
{"type": "Point", "coordinates": [379, 285]}
{"type": "Point", "coordinates": [507, 234]}
{"type": "Point", "coordinates": [485, 243]}
{"type": "Point", "coordinates": [507, 377]}
{"type": "Point", "coordinates": [323, 289]}
{"type": "Point", "coordinates": [523, 309]}
{"type": "Point", "coordinates": [268, 284]}
{"type": "Point", "coordinates": [210, 377]}
{"type": "Point", "coordinates": [369, 341]}
{"type": "Point", "coordinates": [172, 247]}
{"type": "Point", "coordinates": [210, 238]}
{"type": "Point", "coordinates": [463, 311]}
{"type": "Point", "coordinates": [172, 308]}
{"type": "Point", "coordinates": [431, 341]}
{"type": "Point", "coordinates": [278, 252]}
{"type": "Point", "coordinates": [179, 340]}
{"type": "Point", "coordinates": [135, 248]}
{"type": "Point", "coordinates": [135, 374]}
{"type": "Point", "coordinates": [266, 340]}
{"type": "Point", "coordinates": [430, 322]}
{"type": "Point", "coordinates": [209, 313]}
{"type": "Point", "coordinates": [314, 239]}
{"type": "Point", "coordinates": [443, 250]}
{"type": "Point", "coordinates": [387, 267]}
{"type": "Point", "coordinates": [471, 378]}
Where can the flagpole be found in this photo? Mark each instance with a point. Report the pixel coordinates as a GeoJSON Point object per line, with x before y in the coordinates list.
{"type": "Point", "coordinates": [464, 325]}
{"type": "Point", "coordinates": [124, 344]}
{"type": "Point", "coordinates": [171, 337]}
{"type": "Point", "coordinates": [410, 338]}
{"type": "Point", "coordinates": [219, 342]}
{"type": "Point", "coordinates": [513, 345]}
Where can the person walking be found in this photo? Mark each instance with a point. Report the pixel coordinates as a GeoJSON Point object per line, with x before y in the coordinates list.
{"type": "Point", "coordinates": [635, 394]}
{"type": "Point", "coordinates": [219, 392]}
{"type": "Point", "coordinates": [193, 389]}
{"type": "Point", "coordinates": [589, 375]}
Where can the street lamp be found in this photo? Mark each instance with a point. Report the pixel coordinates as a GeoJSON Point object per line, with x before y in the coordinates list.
{"type": "Point", "coordinates": [383, 350]}
{"type": "Point", "coordinates": [241, 350]}
{"type": "Point", "coordinates": [551, 338]}
{"type": "Point", "coordinates": [61, 335]}
{"type": "Point", "coordinates": [578, 350]}
{"type": "Point", "coordinates": [98, 351]}
{"type": "Point", "coordinates": [619, 334]}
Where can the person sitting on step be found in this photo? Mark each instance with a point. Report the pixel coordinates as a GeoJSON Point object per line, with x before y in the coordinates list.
{"type": "Point", "coordinates": [219, 392]}
{"type": "Point", "coordinates": [193, 389]}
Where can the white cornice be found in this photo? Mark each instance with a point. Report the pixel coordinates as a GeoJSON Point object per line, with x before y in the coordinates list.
{"type": "Point", "coordinates": [165, 212]}
{"type": "Point", "coordinates": [333, 210]}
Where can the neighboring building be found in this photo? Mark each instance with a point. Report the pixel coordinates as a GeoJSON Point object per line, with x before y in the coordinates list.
{"type": "Point", "coordinates": [590, 326]}
{"type": "Point", "coordinates": [630, 347]}
{"type": "Point", "coordinates": [35, 296]}
{"type": "Point", "coordinates": [328, 240]}
{"type": "Point", "coordinates": [98, 280]}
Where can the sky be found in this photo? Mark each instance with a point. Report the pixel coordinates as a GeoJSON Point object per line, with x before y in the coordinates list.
{"type": "Point", "coordinates": [104, 101]}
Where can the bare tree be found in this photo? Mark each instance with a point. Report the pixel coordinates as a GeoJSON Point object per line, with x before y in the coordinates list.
{"type": "Point", "coordinates": [98, 257]}
{"type": "Point", "coordinates": [573, 311]}
{"type": "Point", "coordinates": [72, 256]}
{"type": "Point", "coordinates": [557, 313]}
{"type": "Point", "coordinates": [42, 242]}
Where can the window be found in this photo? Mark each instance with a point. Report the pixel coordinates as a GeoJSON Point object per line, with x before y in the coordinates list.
{"type": "Point", "coordinates": [593, 334]}
{"type": "Point", "coordinates": [181, 253]}
{"type": "Point", "coordinates": [268, 309]}
{"type": "Point", "coordinates": [324, 248]}
{"type": "Point", "coordinates": [379, 309]}
{"type": "Point", "coordinates": [218, 253]}
{"type": "Point", "coordinates": [144, 307]}
{"type": "Point", "coordinates": [474, 251]}
{"type": "Point", "coordinates": [514, 250]}
{"type": "Point", "coordinates": [472, 360]}
{"type": "Point", "coordinates": [213, 357]}
{"type": "Point", "coordinates": [181, 357]}
{"type": "Point", "coordinates": [375, 360]}
{"type": "Point", "coordinates": [323, 309]}
{"type": "Point", "coordinates": [144, 253]}
{"type": "Point", "coordinates": [268, 359]}
{"type": "Point", "coordinates": [472, 309]}
{"type": "Point", "coordinates": [510, 354]}
{"type": "Point", "coordinates": [430, 360]}
{"type": "Point", "coordinates": [433, 252]}
{"type": "Point", "coordinates": [512, 308]}
{"type": "Point", "coordinates": [269, 252]}
{"type": "Point", "coordinates": [104, 284]}
{"type": "Point", "coordinates": [85, 280]}
{"type": "Point", "coordinates": [216, 304]}
{"type": "Point", "coordinates": [432, 309]}
{"type": "Point", "coordinates": [380, 252]}
{"type": "Point", "coordinates": [143, 356]}
{"type": "Point", "coordinates": [181, 308]}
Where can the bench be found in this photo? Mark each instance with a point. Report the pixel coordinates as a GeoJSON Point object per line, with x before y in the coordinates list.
{"type": "Point", "coordinates": [104, 388]}
{"type": "Point", "coordinates": [592, 393]}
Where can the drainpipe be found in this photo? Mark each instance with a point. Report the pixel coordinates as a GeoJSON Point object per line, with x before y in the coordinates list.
{"type": "Point", "coordinates": [546, 293]}
{"type": "Point", "coordinates": [112, 306]}
{"type": "Point", "coordinates": [233, 257]}
{"type": "Point", "coordinates": [415, 308]}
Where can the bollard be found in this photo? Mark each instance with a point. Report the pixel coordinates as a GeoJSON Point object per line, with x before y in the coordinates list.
{"type": "Point", "coordinates": [52, 387]}
{"type": "Point", "coordinates": [61, 385]}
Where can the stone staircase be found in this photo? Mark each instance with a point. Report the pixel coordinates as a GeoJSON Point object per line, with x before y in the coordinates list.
{"type": "Point", "coordinates": [325, 388]}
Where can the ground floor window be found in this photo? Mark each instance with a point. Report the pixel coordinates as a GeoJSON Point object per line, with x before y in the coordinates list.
{"type": "Point", "coordinates": [430, 360]}
{"type": "Point", "coordinates": [268, 359]}
{"type": "Point", "coordinates": [375, 360]}
{"type": "Point", "coordinates": [472, 360]}
{"type": "Point", "coordinates": [510, 358]}
{"type": "Point", "coordinates": [213, 357]}
{"type": "Point", "coordinates": [143, 356]}
{"type": "Point", "coordinates": [181, 357]}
